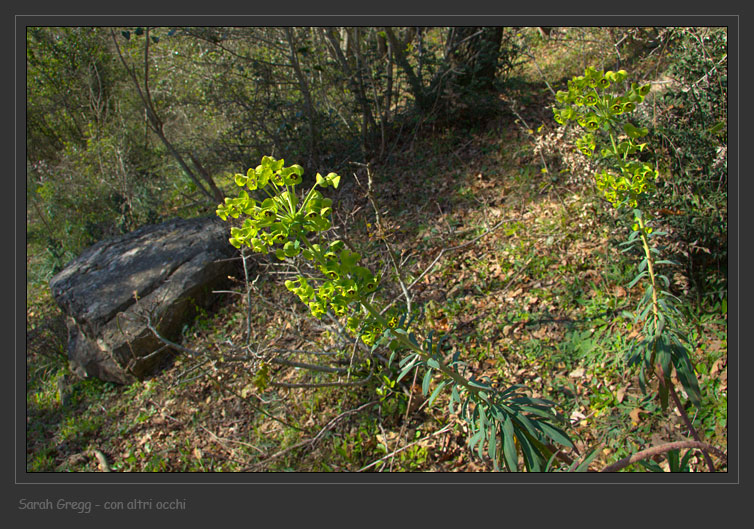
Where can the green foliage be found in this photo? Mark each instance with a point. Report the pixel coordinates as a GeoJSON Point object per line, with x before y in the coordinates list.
{"type": "Point", "coordinates": [91, 173]}
{"type": "Point", "coordinates": [690, 129]}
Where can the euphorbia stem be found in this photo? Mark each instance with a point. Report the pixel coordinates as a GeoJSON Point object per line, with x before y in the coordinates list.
{"type": "Point", "coordinates": [459, 380]}
{"type": "Point", "coordinates": [656, 315]}
{"type": "Point", "coordinates": [400, 337]}
{"type": "Point", "coordinates": [651, 272]}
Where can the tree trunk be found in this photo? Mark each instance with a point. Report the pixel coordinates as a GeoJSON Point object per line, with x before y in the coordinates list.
{"type": "Point", "coordinates": [354, 79]}
{"type": "Point", "coordinates": [420, 96]}
{"type": "Point", "coordinates": [304, 87]}
{"type": "Point", "coordinates": [473, 53]}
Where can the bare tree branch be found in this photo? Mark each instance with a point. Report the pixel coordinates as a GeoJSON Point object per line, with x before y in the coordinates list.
{"type": "Point", "coordinates": [661, 449]}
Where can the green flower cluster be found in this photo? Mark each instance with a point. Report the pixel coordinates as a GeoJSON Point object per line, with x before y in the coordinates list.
{"type": "Point", "coordinates": [589, 100]}
{"type": "Point", "coordinates": [597, 103]}
{"type": "Point", "coordinates": [624, 189]}
{"type": "Point", "coordinates": [281, 223]}
{"type": "Point", "coordinates": [369, 329]}
{"type": "Point", "coordinates": [344, 283]}
{"type": "Point", "coordinates": [277, 219]}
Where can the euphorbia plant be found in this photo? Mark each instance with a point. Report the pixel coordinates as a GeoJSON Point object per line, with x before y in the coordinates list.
{"type": "Point", "coordinates": [601, 104]}
{"type": "Point", "coordinates": [504, 421]}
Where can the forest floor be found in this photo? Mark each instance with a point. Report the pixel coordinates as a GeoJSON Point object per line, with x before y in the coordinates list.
{"type": "Point", "coordinates": [534, 299]}
{"type": "Point", "coordinates": [529, 285]}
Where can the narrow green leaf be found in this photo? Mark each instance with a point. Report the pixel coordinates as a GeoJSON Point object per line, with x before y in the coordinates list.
{"type": "Point", "coordinates": [433, 363]}
{"type": "Point", "coordinates": [637, 279]}
{"type": "Point", "coordinates": [556, 434]}
{"type": "Point", "coordinates": [436, 392]}
{"type": "Point", "coordinates": [509, 445]}
{"type": "Point", "coordinates": [538, 411]}
{"type": "Point", "coordinates": [476, 438]}
{"type": "Point", "coordinates": [410, 358]}
{"type": "Point", "coordinates": [406, 370]}
{"type": "Point", "coordinates": [427, 380]}
{"type": "Point", "coordinates": [588, 458]}
{"type": "Point", "coordinates": [650, 465]}
{"type": "Point", "coordinates": [533, 401]}
{"type": "Point", "coordinates": [524, 421]}
{"type": "Point", "coordinates": [492, 447]}
{"type": "Point", "coordinates": [479, 385]}
{"type": "Point", "coordinates": [686, 375]}
{"type": "Point", "coordinates": [428, 342]}
{"type": "Point", "coordinates": [663, 392]}
{"type": "Point", "coordinates": [512, 389]}
{"type": "Point", "coordinates": [673, 459]}
{"type": "Point", "coordinates": [530, 458]}
{"type": "Point", "coordinates": [686, 458]}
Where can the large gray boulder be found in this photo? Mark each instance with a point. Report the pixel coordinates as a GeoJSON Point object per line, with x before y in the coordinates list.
{"type": "Point", "coordinates": [160, 273]}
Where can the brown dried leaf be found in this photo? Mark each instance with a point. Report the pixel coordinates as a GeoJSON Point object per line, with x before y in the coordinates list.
{"type": "Point", "coordinates": [635, 415]}
{"type": "Point", "coordinates": [716, 367]}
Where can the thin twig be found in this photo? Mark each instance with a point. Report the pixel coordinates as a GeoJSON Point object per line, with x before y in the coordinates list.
{"type": "Point", "coordinates": [405, 418]}
{"type": "Point", "coordinates": [453, 248]}
{"type": "Point", "coordinates": [309, 367]}
{"type": "Point", "coordinates": [222, 440]}
{"type": "Point", "coordinates": [383, 458]}
{"type": "Point", "coordinates": [294, 385]}
{"type": "Point", "coordinates": [381, 232]}
{"type": "Point", "coordinates": [176, 346]}
{"type": "Point", "coordinates": [314, 440]}
{"type": "Point", "coordinates": [541, 73]}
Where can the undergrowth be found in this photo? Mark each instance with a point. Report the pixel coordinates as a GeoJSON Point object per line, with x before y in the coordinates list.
{"type": "Point", "coordinates": [537, 301]}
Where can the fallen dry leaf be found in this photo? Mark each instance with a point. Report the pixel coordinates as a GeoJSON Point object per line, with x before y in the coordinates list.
{"type": "Point", "coordinates": [577, 416]}
{"type": "Point", "coordinates": [635, 415]}
{"type": "Point", "coordinates": [717, 367]}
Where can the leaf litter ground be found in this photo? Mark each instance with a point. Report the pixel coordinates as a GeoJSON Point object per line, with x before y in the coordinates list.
{"type": "Point", "coordinates": [536, 301]}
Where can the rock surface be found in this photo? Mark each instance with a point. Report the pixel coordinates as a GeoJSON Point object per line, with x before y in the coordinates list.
{"type": "Point", "coordinates": [162, 272]}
